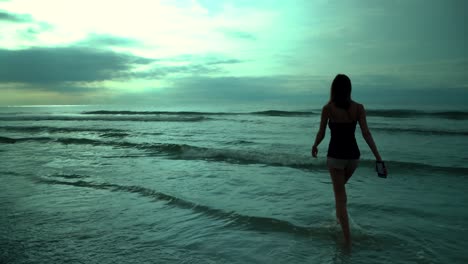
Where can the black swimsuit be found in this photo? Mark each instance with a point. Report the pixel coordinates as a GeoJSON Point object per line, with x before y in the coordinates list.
{"type": "Point", "coordinates": [343, 144]}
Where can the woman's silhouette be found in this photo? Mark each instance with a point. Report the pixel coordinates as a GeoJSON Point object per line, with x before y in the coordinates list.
{"type": "Point", "coordinates": [342, 114]}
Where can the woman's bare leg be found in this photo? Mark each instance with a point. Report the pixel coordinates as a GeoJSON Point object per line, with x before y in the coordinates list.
{"type": "Point", "coordinates": [338, 179]}
{"type": "Point", "coordinates": [349, 172]}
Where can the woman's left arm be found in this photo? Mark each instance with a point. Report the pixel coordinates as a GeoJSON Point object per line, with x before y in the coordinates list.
{"type": "Point", "coordinates": [321, 132]}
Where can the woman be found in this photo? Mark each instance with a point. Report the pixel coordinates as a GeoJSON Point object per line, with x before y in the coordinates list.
{"type": "Point", "coordinates": [342, 114]}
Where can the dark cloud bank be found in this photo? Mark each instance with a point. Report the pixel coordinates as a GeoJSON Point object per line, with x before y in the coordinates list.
{"type": "Point", "coordinates": [64, 64]}
{"type": "Point", "coordinates": [91, 60]}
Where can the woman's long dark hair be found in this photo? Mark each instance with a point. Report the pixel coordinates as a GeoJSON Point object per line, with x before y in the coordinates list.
{"type": "Point", "coordinates": [340, 93]}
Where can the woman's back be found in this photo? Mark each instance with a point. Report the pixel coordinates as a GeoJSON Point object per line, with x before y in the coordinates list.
{"type": "Point", "coordinates": [340, 115]}
{"type": "Point", "coordinates": [342, 124]}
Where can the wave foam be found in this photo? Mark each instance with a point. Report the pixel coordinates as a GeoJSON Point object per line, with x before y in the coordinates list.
{"type": "Point", "coordinates": [241, 156]}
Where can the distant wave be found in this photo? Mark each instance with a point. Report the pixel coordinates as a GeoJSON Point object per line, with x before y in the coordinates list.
{"type": "Point", "coordinates": [284, 113]}
{"type": "Point", "coordinates": [178, 113]}
{"type": "Point", "coordinates": [70, 176]}
{"type": "Point", "coordinates": [7, 140]}
{"type": "Point", "coordinates": [38, 129]}
{"type": "Point", "coordinates": [104, 118]}
{"type": "Point", "coordinates": [230, 217]}
{"type": "Point", "coordinates": [194, 116]}
{"type": "Point", "coordinates": [241, 142]}
{"type": "Point", "coordinates": [195, 113]}
{"type": "Point", "coordinates": [235, 156]}
{"type": "Point", "coordinates": [10, 173]}
{"type": "Point", "coordinates": [103, 132]}
{"type": "Point", "coordinates": [114, 135]}
{"type": "Point", "coordinates": [454, 115]}
{"type": "Point", "coordinates": [422, 131]}
{"type": "Point", "coordinates": [395, 113]}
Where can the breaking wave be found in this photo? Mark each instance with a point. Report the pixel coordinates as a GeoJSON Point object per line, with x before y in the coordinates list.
{"type": "Point", "coordinates": [240, 156]}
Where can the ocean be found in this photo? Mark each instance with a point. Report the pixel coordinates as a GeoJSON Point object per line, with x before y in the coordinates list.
{"type": "Point", "coordinates": [219, 184]}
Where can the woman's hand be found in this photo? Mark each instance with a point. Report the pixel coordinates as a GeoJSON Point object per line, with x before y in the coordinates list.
{"type": "Point", "coordinates": [314, 151]}
{"type": "Point", "coordinates": [384, 169]}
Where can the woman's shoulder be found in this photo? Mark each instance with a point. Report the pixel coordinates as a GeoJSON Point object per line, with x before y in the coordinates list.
{"type": "Point", "coordinates": [327, 106]}
{"type": "Point", "coordinates": [326, 109]}
{"type": "Point", "coordinates": [357, 105]}
{"type": "Point", "coordinates": [359, 108]}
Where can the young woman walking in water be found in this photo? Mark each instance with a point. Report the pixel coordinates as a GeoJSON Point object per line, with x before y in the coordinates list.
{"type": "Point", "coordinates": [342, 114]}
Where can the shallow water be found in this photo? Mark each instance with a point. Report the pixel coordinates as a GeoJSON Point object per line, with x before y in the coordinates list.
{"type": "Point", "coordinates": [225, 186]}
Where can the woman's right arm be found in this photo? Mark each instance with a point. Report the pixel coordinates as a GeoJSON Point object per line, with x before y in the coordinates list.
{"type": "Point", "coordinates": [321, 132]}
{"type": "Point", "coordinates": [366, 134]}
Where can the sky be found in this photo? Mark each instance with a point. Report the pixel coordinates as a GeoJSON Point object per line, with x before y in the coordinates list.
{"type": "Point", "coordinates": [64, 52]}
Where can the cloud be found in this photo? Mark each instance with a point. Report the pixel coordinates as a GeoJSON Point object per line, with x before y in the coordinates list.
{"type": "Point", "coordinates": [33, 31]}
{"type": "Point", "coordinates": [103, 40]}
{"type": "Point", "coordinates": [237, 34]}
{"type": "Point", "coordinates": [65, 64]}
{"type": "Point", "coordinates": [187, 64]}
{"type": "Point", "coordinates": [161, 71]}
{"type": "Point", "coordinates": [14, 18]}
{"type": "Point", "coordinates": [235, 88]}
{"type": "Point", "coordinates": [218, 60]}
{"type": "Point", "coordinates": [21, 27]}
{"type": "Point", "coordinates": [208, 59]}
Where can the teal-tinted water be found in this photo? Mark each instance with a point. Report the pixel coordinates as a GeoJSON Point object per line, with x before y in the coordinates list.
{"type": "Point", "coordinates": [144, 185]}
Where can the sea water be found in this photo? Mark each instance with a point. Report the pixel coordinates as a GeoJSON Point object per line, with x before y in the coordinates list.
{"type": "Point", "coordinates": [120, 184]}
